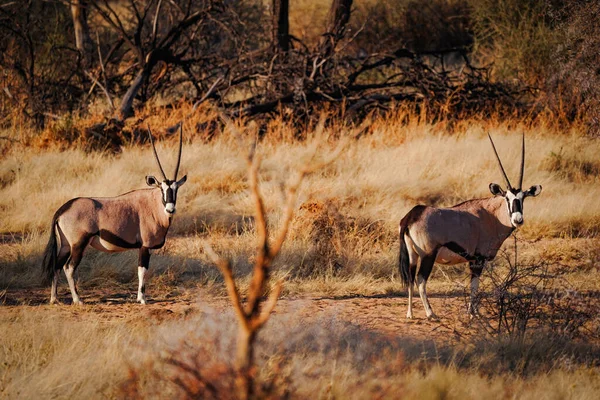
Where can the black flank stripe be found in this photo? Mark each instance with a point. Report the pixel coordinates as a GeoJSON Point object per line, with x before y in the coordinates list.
{"type": "Point", "coordinates": [458, 249]}
{"type": "Point", "coordinates": [117, 241]}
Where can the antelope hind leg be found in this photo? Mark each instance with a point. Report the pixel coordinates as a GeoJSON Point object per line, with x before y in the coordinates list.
{"type": "Point", "coordinates": [424, 272]}
{"type": "Point", "coordinates": [70, 267]}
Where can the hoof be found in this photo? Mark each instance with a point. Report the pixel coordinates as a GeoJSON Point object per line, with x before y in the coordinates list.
{"type": "Point", "coordinates": [409, 316]}
{"type": "Point", "coordinates": [433, 317]}
{"type": "Point", "coordinates": [55, 302]}
{"type": "Point", "coordinates": [77, 302]}
{"type": "Point", "coordinates": [142, 300]}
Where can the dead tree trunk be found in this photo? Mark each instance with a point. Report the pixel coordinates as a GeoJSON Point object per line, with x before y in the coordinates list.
{"type": "Point", "coordinates": [83, 42]}
{"type": "Point", "coordinates": [126, 108]}
{"type": "Point", "coordinates": [338, 18]}
{"type": "Point", "coordinates": [281, 25]}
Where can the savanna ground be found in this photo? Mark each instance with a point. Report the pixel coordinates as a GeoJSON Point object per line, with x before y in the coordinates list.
{"type": "Point", "coordinates": [339, 329]}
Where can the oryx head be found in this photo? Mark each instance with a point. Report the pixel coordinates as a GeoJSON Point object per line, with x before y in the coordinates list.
{"type": "Point", "coordinates": [168, 186]}
{"type": "Point", "coordinates": [514, 196]}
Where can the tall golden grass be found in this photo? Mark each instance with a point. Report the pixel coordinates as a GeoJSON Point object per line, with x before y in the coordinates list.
{"type": "Point", "coordinates": [380, 176]}
{"type": "Point", "coordinates": [354, 204]}
{"type": "Point", "coordinates": [343, 242]}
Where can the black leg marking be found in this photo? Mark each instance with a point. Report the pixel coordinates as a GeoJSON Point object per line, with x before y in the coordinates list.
{"type": "Point", "coordinates": [61, 261]}
{"type": "Point", "coordinates": [144, 258]}
{"type": "Point", "coordinates": [77, 254]}
{"type": "Point", "coordinates": [71, 266]}
{"type": "Point", "coordinates": [427, 266]}
{"type": "Point", "coordinates": [476, 268]}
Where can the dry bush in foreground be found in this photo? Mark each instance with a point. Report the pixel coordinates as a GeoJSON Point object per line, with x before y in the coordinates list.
{"type": "Point", "coordinates": [253, 315]}
{"type": "Point", "coordinates": [526, 299]}
{"type": "Point", "coordinates": [256, 312]}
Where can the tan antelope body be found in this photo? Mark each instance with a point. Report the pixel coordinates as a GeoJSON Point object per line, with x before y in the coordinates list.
{"type": "Point", "coordinates": [472, 231]}
{"type": "Point", "coordinates": [139, 219]}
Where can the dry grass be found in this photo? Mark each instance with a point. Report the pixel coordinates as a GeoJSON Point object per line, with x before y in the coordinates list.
{"type": "Point", "coordinates": [50, 355]}
{"type": "Point", "coordinates": [380, 177]}
{"type": "Point", "coordinates": [61, 354]}
{"type": "Point", "coordinates": [346, 228]}
{"type": "Point", "coordinates": [342, 243]}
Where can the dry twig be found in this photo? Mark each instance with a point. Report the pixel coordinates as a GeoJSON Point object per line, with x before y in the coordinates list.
{"type": "Point", "coordinates": [255, 312]}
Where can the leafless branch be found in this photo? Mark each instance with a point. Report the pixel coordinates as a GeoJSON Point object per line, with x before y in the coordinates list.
{"type": "Point", "coordinates": [232, 290]}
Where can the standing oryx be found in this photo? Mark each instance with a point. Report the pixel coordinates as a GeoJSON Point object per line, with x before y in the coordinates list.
{"type": "Point", "coordinates": [139, 219]}
{"type": "Point", "coordinates": [472, 232]}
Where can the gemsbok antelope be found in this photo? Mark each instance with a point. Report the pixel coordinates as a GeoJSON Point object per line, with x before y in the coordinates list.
{"type": "Point", "coordinates": [139, 219]}
{"type": "Point", "coordinates": [472, 232]}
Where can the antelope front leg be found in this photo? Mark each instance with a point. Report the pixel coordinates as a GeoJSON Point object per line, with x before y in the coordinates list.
{"type": "Point", "coordinates": [142, 269]}
{"type": "Point", "coordinates": [476, 269]}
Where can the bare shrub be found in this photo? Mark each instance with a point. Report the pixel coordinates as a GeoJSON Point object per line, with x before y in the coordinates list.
{"type": "Point", "coordinates": [572, 88]}
{"type": "Point", "coordinates": [256, 311]}
{"type": "Point", "coordinates": [224, 52]}
{"type": "Point", "coordinates": [526, 299]}
{"type": "Point", "coordinates": [37, 65]}
{"type": "Point", "coordinates": [195, 373]}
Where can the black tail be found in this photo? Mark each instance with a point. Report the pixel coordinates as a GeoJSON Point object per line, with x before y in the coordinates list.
{"type": "Point", "coordinates": [51, 263]}
{"type": "Point", "coordinates": [404, 262]}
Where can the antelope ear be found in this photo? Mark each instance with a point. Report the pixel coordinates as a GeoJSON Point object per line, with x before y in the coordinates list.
{"type": "Point", "coordinates": [496, 189]}
{"type": "Point", "coordinates": [182, 180]}
{"type": "Point", "coordinates": [151, 181]}
{"type": "Point", "coordinates": [534, 190]}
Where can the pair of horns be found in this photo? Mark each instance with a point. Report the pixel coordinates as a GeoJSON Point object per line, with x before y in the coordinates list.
{"type": "Point", "coordinates": [178, 156]}
{"type": "Point", "coordinates": [502, 168]}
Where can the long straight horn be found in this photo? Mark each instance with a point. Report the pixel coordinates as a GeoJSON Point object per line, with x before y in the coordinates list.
{"type": "Point", "coordinates": [500, 163]}
{"type": "Point", "coordinates": [156, 154]}
{"type": "Point", "coordinates": [522, 163]}
{"type": "Point", "coordinates": [180, 145]}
